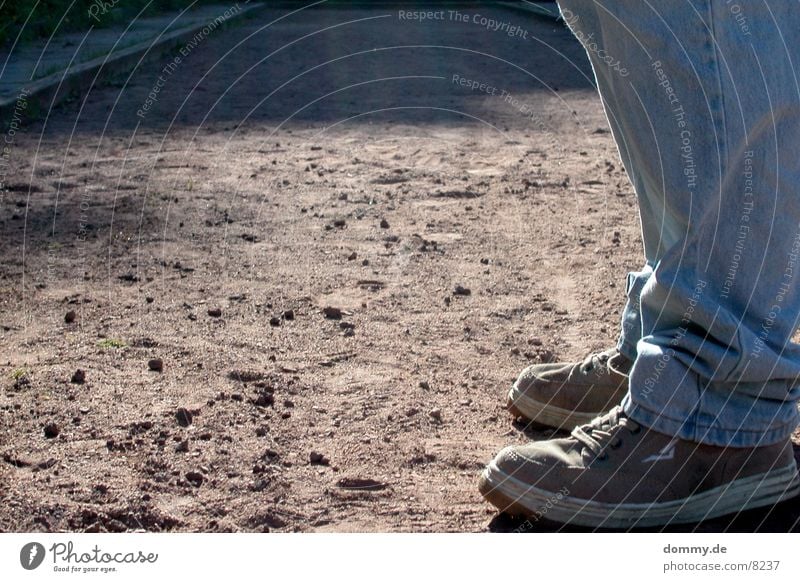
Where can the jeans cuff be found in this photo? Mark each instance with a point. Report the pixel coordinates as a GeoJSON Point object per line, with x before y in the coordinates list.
{"type": "Point", "coordinates": [626, 348]}
{"type": "Point", "coordinates": [690, 430]}
{"type": "Point", "coordinates": [631, 324]}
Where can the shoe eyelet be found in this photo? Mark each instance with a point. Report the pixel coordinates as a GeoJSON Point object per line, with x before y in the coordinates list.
{"type": "Point", "coordinates": [616, 444]}
{"type": "Point", "coordinates": [603, 457]}
{"type": "Point", "coordinates": [637, 430]}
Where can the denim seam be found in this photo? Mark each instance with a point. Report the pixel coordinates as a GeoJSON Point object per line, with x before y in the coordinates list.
{"type": "Point", "coordinates": [740, 362]}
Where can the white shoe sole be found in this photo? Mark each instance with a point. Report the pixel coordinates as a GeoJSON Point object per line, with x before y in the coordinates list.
{"type": "Point", "coordinates": [512, 495]}
{"type": "Point", "coordinates": [543, 413]}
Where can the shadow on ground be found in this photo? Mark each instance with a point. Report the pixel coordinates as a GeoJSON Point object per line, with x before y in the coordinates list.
{"type": "Point", "coordinates": [334, 65]}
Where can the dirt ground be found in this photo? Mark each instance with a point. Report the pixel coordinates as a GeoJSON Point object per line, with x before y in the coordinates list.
{"type": "Point", "coordinates": [336, 256]}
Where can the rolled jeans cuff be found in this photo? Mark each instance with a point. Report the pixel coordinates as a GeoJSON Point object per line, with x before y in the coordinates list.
{"type": "Point", "coordinates": [631, 325]}
{"type": "Point", "coordinates": [667, 397]}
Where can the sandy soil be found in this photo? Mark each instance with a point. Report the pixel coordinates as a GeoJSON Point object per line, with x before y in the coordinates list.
{"type": "Point", "coordinates": [281, 236]}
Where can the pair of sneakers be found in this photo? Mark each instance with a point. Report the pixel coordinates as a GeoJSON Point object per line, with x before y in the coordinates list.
{"type": "Point", "coordinates": [612, 472]}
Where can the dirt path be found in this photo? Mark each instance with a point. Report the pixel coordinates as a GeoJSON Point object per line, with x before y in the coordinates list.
{"type": "Point", "coordinates": [276, 175]}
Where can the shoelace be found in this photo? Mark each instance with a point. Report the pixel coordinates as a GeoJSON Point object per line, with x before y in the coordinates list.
{"type": "Point", "coordinates": [598, 432]}
{"type": "Point", "coordinates": [596, 359]}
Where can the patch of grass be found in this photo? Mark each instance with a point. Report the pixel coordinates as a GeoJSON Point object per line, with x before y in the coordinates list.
{"type": "Point", "coordinates": [111, 343]}
{"type": "Point", "coordinates": [21, 377]}
{"type": "Point", "coordinates": [19, 373]}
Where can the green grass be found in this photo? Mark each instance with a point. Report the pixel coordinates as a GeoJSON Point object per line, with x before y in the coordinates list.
{"type": "Point", "coordinates": [18, 373]}
{"type": "Point", "coordinates": [111, 343]}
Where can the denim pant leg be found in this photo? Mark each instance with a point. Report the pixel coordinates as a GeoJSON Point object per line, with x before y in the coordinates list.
{"type": "Point", "coordinates": [703, 100]}
{"type": "Point", "coordinates": [631, 327]}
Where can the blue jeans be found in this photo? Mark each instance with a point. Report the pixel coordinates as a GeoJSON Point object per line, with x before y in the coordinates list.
{"type": "Point", "coordinates": [703, 100]}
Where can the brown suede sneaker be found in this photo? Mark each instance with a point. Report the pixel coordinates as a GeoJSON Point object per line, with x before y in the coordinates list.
{"type": "Point", "coordinates": [615, 473]}
{"type": "Point", "coordinates": [564, 396]}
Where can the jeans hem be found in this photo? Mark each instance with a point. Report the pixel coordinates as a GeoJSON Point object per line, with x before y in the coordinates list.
{"type": "Point", "coordinates": [627, 348]}
{"type": "Point", "coordinates": [708, 435]}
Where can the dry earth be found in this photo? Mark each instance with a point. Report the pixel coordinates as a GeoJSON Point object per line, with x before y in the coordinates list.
{"type": "Point", "coordinates": [324, 160]}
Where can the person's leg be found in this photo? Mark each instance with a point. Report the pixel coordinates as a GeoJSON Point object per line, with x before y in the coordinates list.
{"type": "Point", "coordinates": [707, 117]}
{"type": "Point", "coordinates": [704, 105]}
{"type": "Point", "coordinates": [631, 325]}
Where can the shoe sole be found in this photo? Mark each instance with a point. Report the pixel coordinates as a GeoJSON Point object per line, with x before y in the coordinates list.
{"type": "Point", "coordinates": [514, 497]}
{"type": "Point", "coordinates": [546, 414]}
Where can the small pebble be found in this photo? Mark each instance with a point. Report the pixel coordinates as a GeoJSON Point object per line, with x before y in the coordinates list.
{"type": "Point", "coordinates": [184, 417]}
{"type": "Point", "coordinates": [156, 365]}
{"type": "Point", "coordinates": [318, 459]}
{"type": "Point", "coordinates": [51, 430]}
{"type": "Point", "coordinates": [332, 312]}
{"type": "Point", "coordinates": [264, 400]}
{"type": "Point", "coordinates": [195, 478]}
